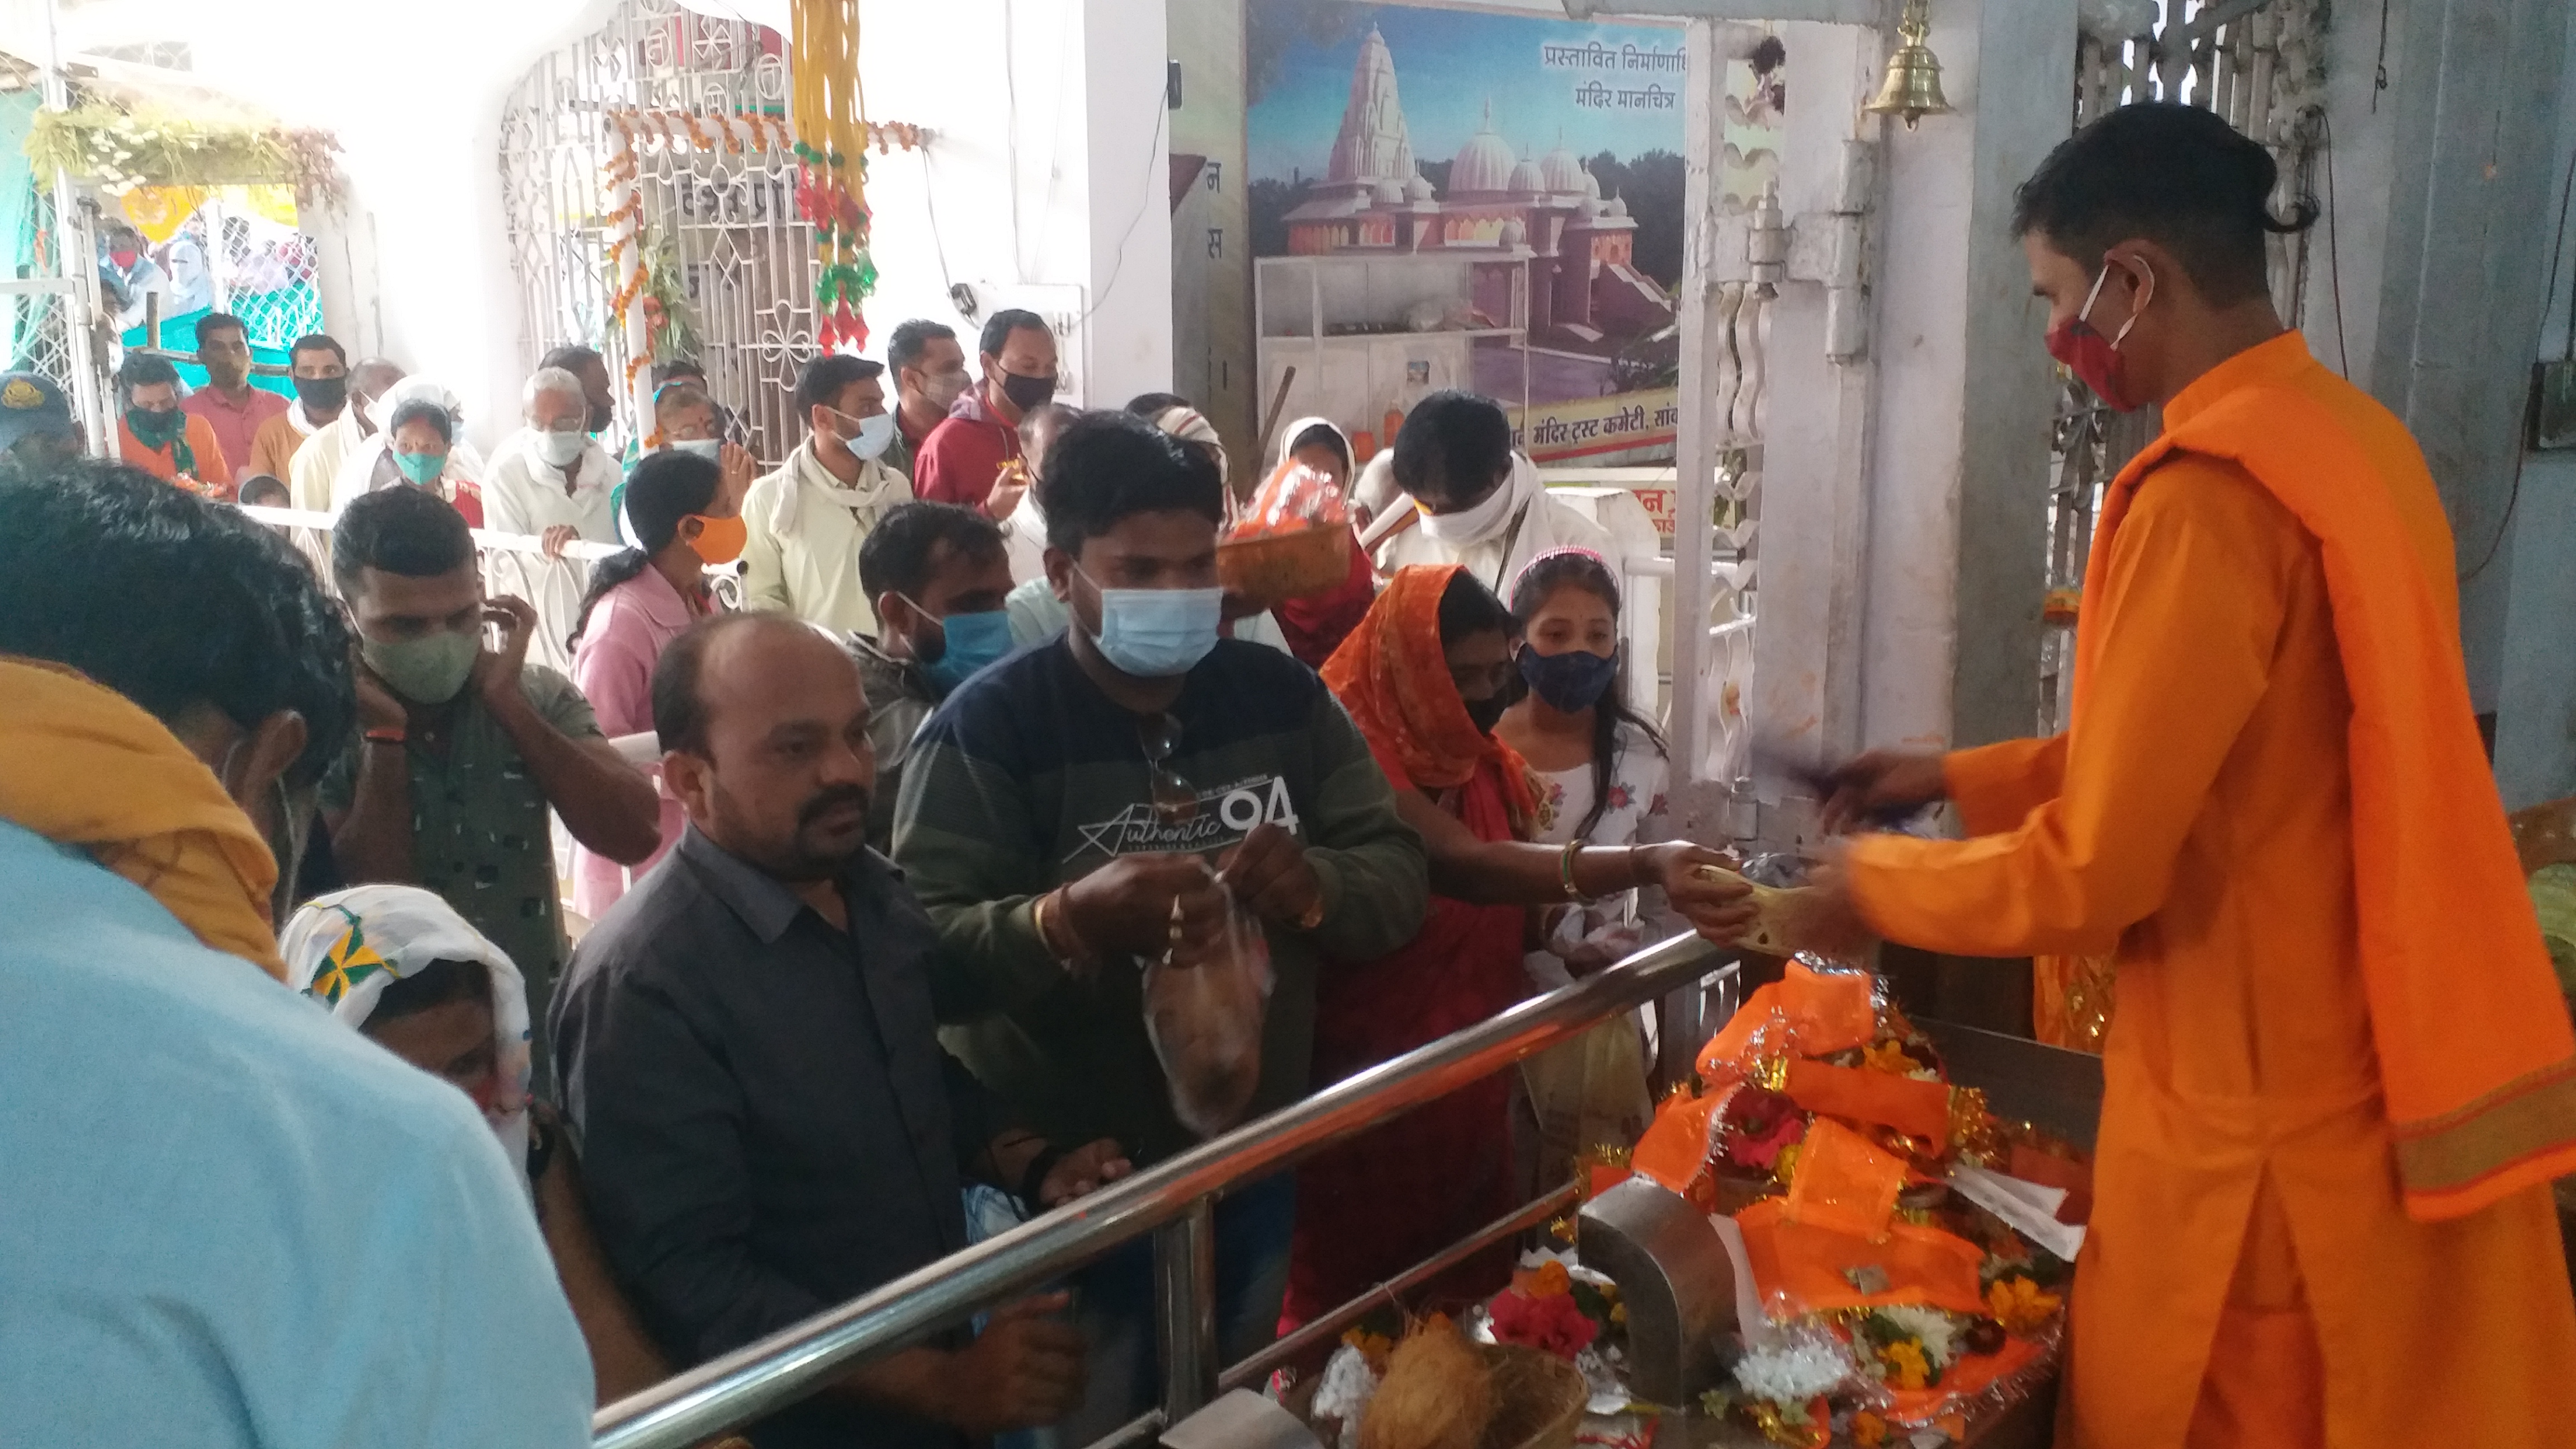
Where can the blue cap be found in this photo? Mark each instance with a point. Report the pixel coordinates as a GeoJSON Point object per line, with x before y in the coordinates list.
{"type": "Point", "coordinates": [32, 403]}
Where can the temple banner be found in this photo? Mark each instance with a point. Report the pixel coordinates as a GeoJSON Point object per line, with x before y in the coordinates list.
{"type": "Point", "coordinates": [1582, 429]}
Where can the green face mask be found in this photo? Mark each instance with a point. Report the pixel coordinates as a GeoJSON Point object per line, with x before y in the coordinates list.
{"type": "Point", "coordinates": [155, 429]}
{"type": "Point", "coordinates": [427, 670]}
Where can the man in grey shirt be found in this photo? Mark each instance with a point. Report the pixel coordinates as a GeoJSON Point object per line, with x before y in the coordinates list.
{"type": "Point", "coordinates": [937, 574]}
{"type": "Point", "coordinates": [746, 1045]}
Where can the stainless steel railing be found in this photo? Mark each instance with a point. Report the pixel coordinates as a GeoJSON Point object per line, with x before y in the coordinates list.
{"type": "Point", "coordinates": [1172, 1201]}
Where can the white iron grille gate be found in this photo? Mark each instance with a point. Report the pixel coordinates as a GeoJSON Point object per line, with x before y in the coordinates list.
{"type": "Point", "coordinates": [2261, 65]}
{"type": "Point", "coordinates": [39, 333]}
{"type": "Point", "coordinates": [723, 222]}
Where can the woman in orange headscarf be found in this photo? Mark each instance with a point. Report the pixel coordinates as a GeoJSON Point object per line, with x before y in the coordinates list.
{"type": "Point", "coordinates": [1425, 675]}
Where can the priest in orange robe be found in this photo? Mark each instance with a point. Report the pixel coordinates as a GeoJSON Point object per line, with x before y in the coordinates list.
{"type": "Point", "coordinates": [2340, 1077]}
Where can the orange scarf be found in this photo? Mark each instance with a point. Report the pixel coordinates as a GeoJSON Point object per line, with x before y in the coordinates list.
{"type": "Point", "coordinates": [83, 766]}
{"type": "Point", "coordinates": [1393, 676]}
{"type": "Point", "coordinates": [2475, 1053]}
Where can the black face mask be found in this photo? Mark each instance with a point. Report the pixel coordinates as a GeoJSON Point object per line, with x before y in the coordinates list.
{"type": "Point", "coordinates": [1488, 712]}
{"type": "Point", "coordinates": [1028, 392]}
{"type": "Point", "coordinates": [323, 394]}
{"type": "Point", "coordinates": [601, 415]}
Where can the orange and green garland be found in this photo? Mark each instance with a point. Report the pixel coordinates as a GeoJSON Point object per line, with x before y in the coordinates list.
{"type": "Point", "coordinates": [832, 166]}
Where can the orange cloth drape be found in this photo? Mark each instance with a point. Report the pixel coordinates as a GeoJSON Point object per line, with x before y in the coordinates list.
{"type": "Point", "coordinates": [83, 766]}
{"type": "Point", "coordinates": [1817, 1012]}
{"type": "Point", "coordinates": [1394, 679]}
{"type": "Point", "coordinates": [2337, 1073]}
{"type": "Point", "coordinates": [1807, 1268]}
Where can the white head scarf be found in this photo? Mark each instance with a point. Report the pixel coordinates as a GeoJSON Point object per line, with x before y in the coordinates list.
{"type": "Point", "coordinates": [345, 948]}
{"type": "Point", "coordinates": [358, 471]}
{"type": "Point", "coordinates": [1288, 445]}
{"type": "Point", "coordinates": [1188, 423]}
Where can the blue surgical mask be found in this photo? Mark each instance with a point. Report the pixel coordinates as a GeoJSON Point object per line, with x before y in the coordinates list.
{"type": "Point", "coordinates": [1157, 633]}
{"type": "Point", "coordinates": [868, 436]}
{"type": "Point", "coordinates": [973, 641]}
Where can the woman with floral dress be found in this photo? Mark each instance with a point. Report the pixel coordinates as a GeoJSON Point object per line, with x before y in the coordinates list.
{"type": "Point", "coordinates": [1600, 771]}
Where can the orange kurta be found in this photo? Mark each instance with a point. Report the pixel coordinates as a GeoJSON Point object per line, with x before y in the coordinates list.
{"type": "Point", "coordinates": [2253, 1274]}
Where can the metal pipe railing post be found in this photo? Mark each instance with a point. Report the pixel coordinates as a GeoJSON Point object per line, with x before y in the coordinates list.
{"type": "Point", "coordinates": [1185, 1309]}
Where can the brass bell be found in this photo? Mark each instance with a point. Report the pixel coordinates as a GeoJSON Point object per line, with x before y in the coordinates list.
{"type": "Point", "coordinates": [1912, 89]}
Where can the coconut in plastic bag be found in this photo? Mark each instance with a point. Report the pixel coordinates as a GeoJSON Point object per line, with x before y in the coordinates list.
{"type": "Point", "coordinates": [1203, 1014]}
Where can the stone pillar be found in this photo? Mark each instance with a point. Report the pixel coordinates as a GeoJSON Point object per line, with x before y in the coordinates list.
{"type": "Point", "coordinates": [2475, 85]}
{"type": "Point", "coordinates": [1958, 463]}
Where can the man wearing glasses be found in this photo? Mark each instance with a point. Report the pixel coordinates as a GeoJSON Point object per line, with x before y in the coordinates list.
{"type": "Point", "coordinates": [1112, 799]}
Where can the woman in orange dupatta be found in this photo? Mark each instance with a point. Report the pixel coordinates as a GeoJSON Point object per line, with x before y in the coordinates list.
{"type": "Point", "coordinates": [1425, 675]}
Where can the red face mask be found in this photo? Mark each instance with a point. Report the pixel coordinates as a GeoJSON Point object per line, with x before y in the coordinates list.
{"type": "Point", "coordinates": [2094, 358]}
{"type": "Point", "coordinates": [122, 259]}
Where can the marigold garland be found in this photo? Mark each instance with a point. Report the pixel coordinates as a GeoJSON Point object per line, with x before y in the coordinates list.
{"type": "Point", "coordinates": [831, 151]}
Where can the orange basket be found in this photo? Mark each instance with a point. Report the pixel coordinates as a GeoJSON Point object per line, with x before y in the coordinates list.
{"type": "Point", "coordinates": [1269, 568]}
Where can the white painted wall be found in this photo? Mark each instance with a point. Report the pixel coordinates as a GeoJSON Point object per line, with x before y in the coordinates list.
{"type": "Point", "coordinates": [1046, 174]}
{"type": "Point", "coordinates": [1045, 182]}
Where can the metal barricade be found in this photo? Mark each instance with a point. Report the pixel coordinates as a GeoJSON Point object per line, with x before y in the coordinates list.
{"type": "Point", "coordinates": [1173, 1202]}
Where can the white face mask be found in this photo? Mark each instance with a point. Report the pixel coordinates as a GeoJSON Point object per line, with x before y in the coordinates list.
{"type": "Point", "coordinates": [867, 437]}
{"type": "Point", "coordinates": [707, 448]}
{"type": "Point", "coordinates": [560, 449]}
{"type": "Point", "coordinates": [1472, 525]}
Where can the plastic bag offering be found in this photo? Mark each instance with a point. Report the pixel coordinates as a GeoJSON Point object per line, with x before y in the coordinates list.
{"type": "Point", "coordinates": [1292, 540]}
{"type": "Point", "coordinates": [1203, 1013]}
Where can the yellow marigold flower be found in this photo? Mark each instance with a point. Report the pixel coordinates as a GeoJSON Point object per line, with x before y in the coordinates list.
{"type": "Point", "coordinates": [1889, 1056]}
{"type": "Point", "coordinates": [1906, 1368]}
{"type": "Point", "coordinates": [2020, 1306]}
{"type": "Point", "coordinates": [1551, 1280]}
{"type": "Point", "coordinates": [1868, 1430]}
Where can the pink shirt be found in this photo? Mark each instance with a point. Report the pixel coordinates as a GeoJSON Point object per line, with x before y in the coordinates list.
{"type": "Point", "coordinates": [235, 425]}
{"type": "Point", "coordinates": [613, 665]}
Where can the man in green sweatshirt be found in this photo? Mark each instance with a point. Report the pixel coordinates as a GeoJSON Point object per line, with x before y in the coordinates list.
{"type": "Point", "coordinates": [1069, 811]}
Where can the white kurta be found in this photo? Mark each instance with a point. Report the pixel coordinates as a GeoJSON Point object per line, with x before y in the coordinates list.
{"type": "Point", "coordinates": [523, 495]}
{"type": "Point", "coordinates": [802, 535]}
{"type": "Point", "coordinates": [1544, 525]}
{"type": "Point", "coordinates": [316, 466]}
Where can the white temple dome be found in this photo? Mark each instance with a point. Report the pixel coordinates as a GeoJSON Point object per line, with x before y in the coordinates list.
{"type": "Point", "coordinates": [1561, 174]}
{"type": "Point", "coordinates": [1514, 234]}
{"type": "Point", "coordinates": [1485, 163]}
{"type": "Point", "coordinates": [1618, 207]}
{"type": "Point", "coordinates": [1389, 192]}
{"type": "Point", "coordinates": [1525, 181]}
{"type": "Point", "coordinates": [1417, 188]}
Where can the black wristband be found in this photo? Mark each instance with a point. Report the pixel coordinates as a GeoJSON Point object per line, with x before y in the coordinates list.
{"type": "Point", "coordinates": [1035, 1175]}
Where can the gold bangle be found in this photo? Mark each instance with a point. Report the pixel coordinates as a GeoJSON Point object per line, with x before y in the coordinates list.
{"type": "Point", "coordinates": [1565, 869]}
{"type": "Point", "coordinates": [1069, 955]}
